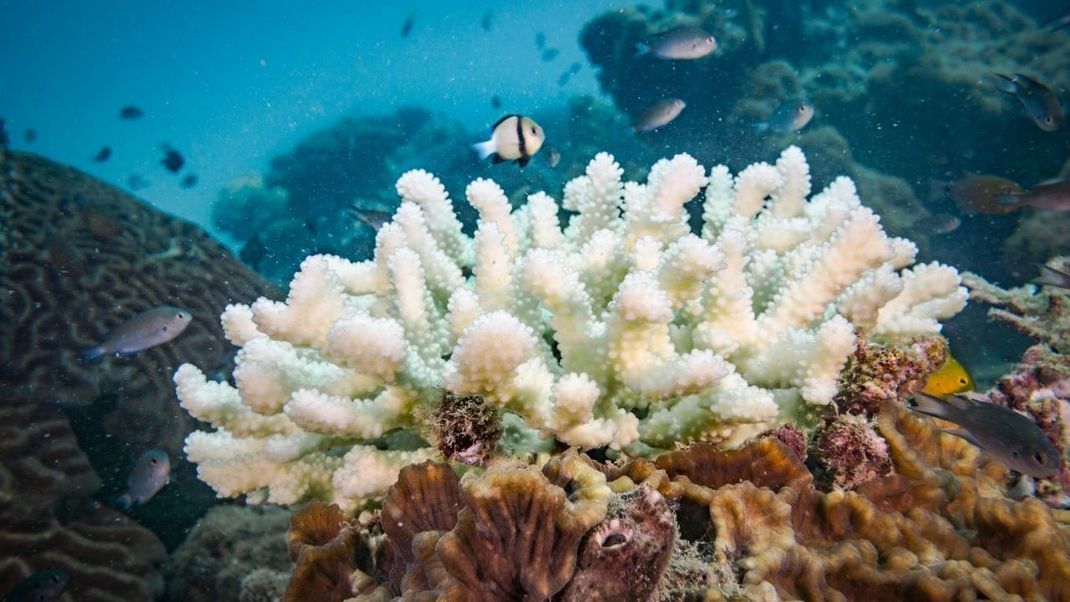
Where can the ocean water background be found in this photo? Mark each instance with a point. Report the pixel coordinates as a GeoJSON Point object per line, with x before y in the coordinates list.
{"type": "Point", "coordinates": [231, 84]}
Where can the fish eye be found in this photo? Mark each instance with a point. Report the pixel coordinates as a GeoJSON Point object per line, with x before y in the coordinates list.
{"type": "Point", "coordinates": [165, 329]}
{"type": "Point", "coordinates": [1039, 457]}
{"type": "Point", "coordinates": [962, 381]}
{"type": "Point", "coordinates": [1015, 453]}
{"type": "Point", "coordinates": [153, 460]}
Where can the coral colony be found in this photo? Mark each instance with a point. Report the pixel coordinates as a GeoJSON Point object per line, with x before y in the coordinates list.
{"type": "Point", "coordinates": [622, 330]}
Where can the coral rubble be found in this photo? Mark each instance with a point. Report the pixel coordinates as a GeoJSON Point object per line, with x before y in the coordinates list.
{"type": "Point", "coordinates": [705, 524]}
{"type": "Point", "coordinates": [622, 329]}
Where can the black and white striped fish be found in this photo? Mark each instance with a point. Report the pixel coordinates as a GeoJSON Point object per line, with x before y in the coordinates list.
{"type": "Point", "coordinates": [512, 138]}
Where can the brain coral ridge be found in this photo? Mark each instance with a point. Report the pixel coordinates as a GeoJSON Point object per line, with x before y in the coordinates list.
{"type": "Point", "coordinates": [697, 523]}
{"type": "Point", "coordinates": [622, 329]}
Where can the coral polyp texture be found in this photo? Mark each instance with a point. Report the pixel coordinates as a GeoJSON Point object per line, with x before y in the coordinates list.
{"type": "Point", "coordinates": [623, 329]}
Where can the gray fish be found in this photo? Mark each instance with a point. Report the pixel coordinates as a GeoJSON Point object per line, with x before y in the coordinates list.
{"type": "Point", "coordinates": [42, 586]}
{"type": "Point", "coordinates": [29, 135]}
{"type": "Point", "coordinates": [1054, 196]}
{"type": "Point", "coordinates": [1039, 102]}
{"type": "Point", "coordinates": [1059, 22]}
{"type": "Point", "coordinates": [555, 158]}
{"type": "Point", "coordinates": [662, 113]}
{"type": "Point", "coordinates": [540, 40]}
{"type": "Point", "coordinates": [487, 21]}
{"type": "Point", "coordinates": [3, 135]}
{"type": "Point", "coordinates": [939, 223]}
{"type": "Point", "coordinates": [103, 154]}
{"type": "Point", "coordinates": [1050, 276]}
{"type": "Point", "coordinates": [131, 112]}
{"type": "Point", "coordinates": [550, 54]}
{"type": "Point", "coordinates": [512, 138]}
{"type": "Point", "coordinates": [682, 43]}
{"type": "Point", "coordinates": [151, 472]}
{"type": "Point", "coordinates": [1003, 433]}
{"type": "Point", "coordinates": [372, 218]}
{"type": "Point", "coordinates": [791, 116]}
{"type": "Point", "coordinates": [145, 330]}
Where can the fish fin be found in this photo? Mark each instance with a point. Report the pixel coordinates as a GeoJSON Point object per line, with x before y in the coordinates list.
{"type": "Point", "coordinates": [761, 127]}
{"type": "Point", "coordinates": [641, 49]}
{"type": "Point", "coordinates": [523, 161]}
{"type": "Point", "coordinates": [1006, 83]}
{"type": "Point", "coordinates": [496, 159]}
{"type": "Point", "coordinates": [930, 405]}
{"type": "Point", "coordinates": [484, 149]}
{"type": "Point", "coordinates": [964, 435]}
{"type": "Point", "coordinates": [125, 503]}
{"type": "Point", "coordinates": [1008, 200]}
{"type": "Point", "coordinates": [1051, 277]}
{"type": "Point", "coordinates": [93, 354]}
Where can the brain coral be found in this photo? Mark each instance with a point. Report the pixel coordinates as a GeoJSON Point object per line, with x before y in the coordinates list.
{"type": "Point", "coordinates": [623, 329]}
{"type": "Point", "coordinates": [48, 521]}
{"type": "Point", "coordinates": [77, 258]}
{"type": "Point", "coordinates": [700, 523]}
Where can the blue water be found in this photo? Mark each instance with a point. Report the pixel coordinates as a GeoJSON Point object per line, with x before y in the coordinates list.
{"type": "Point", "coordinates": [231, 84]}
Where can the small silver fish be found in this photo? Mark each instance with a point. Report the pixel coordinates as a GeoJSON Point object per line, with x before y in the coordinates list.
{"type": "Point", "coordinates": [42, 586]}
{"type": "Point", "coordinates": [151, 472]}
{"type": "Point", "coordinates": [145, 330]}
{"type": "Point", "coordinates": [1003, 433]}
{"type": "Point", "coordinates": [555, 158]}
{"type": "Point", "coordinates": [1050, 276]}
{"type": "Point", "coordinates": [512, 138]}
{"type": "Point", "coordinates": [1059, 22]}
{"type": "Point", "coordinates": [682, 43]}
{"type": "Point", "coordinates": [1039, 102]}
{"type": "Point", "coordinates": [372, 218]}
{"type": "Point", "coordinates": [939, 223]}
{"type": "Point", "coordinates": [662, 113]}
{"type": "Point", "coordinates": [791, 116]}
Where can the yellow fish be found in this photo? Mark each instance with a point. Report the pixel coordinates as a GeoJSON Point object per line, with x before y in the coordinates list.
{"type": "Point", "coordinates": [950, 379]}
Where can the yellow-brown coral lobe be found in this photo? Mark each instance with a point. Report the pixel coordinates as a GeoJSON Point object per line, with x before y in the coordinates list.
{"type": "Point", "coordinates": [747, 524]}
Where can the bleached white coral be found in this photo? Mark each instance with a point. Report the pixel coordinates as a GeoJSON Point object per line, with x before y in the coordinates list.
{"type": "Point", "coordinates": [620, 329]}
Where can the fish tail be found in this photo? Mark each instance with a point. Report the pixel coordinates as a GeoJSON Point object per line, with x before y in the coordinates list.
{"type": "Point", "coordinates": [1050, 277]}
{"type": "Point", "coordinates": [484, 149]}
{"type": "Point", "coordinates": [124, 502]}
{"type": "Point", "coordinates": [641, 50]}
{"type": "Point", "coordinates": [931, 406]}
{"type": "Point", "coordinates": [93, 354]}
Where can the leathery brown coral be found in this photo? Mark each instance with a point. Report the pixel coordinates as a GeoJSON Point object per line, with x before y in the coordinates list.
{"type": "Point", "coordinates": [706, 524]}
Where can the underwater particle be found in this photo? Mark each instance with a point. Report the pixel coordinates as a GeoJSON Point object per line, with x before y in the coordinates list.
{"type": "Point", "coordinates": [1039, 102]}
{"type": "Point", "coordinates": [189, 181]}
{"type": "Point", "coordinates": [151, 472]}
{"type": "Point", "coordinates": [660, 114]}
{"type": "Point", "coordinates": [950, 378]}
{"type": "Point", "coordinates": [625, 556]}
{"type": "Point", "coordinates": [103, 154]}
{"type": "Point", "coordinates": [851, 451]}
{"type": "Point", "coordinates": [1050, 276]}
{"type": "Point", "coordinates": [42, 586]}
{"type": "Point", "coordinates": [1007, 435]}
{"type": "Point", "coordinates": [791, 116]}
{"type": "Point", "coordinates": [512, 138]}
{"type": "Point", "coordinates": [29, 135]}
{"type": "Point", "coordinates": [146, 330]}
{"type": "Point", "coordinates": [172, 159]}
{"type": "Point", "coordinates": [131, 112]}
{"type": "Point", "coordinates": [682, 43]}
{"type": "Point", "coordinates": [466, 429]}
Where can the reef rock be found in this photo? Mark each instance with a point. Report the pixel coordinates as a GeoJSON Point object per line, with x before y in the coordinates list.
{"type": "Point", "coordinates": [701, 524]}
